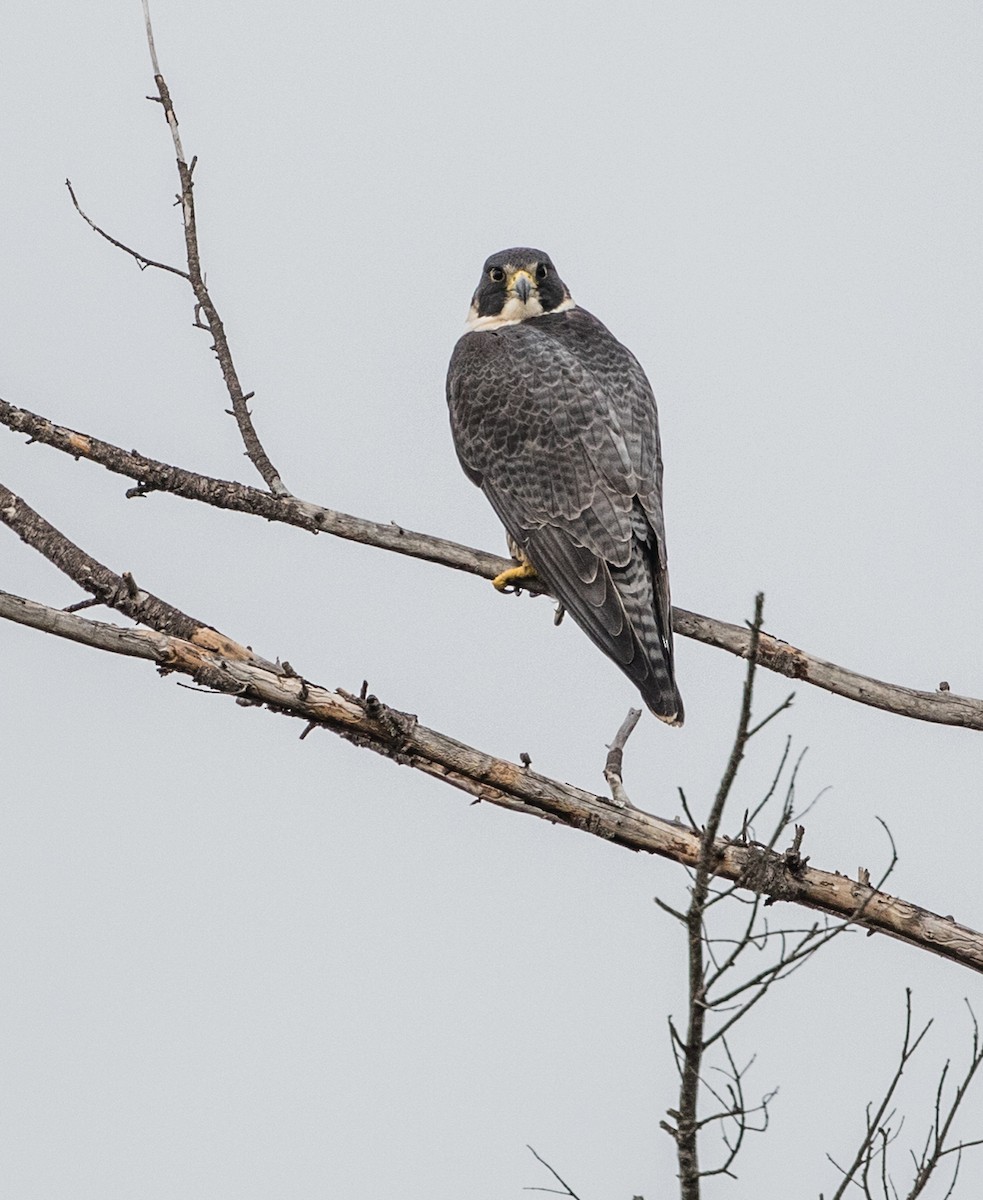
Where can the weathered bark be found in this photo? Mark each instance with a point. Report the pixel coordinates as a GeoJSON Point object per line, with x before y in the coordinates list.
{"type": "Point", "coordinates": [941, 707]}
{"type": "Point", "coordinates": [399, 736]}
{"type": "Point", "coordinates": [120, 592]}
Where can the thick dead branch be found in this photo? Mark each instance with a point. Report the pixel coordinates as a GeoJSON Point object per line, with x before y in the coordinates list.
{"type": "Point", "coordinates": [120, 592]}
{"type": "Point", "coordinates": [150, 475]}
{"type": "Point", "coordinates": [399, 737]}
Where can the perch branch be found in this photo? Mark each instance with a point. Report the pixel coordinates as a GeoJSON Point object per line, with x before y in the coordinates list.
{"type": "Point", "coordinates": [942, 707]}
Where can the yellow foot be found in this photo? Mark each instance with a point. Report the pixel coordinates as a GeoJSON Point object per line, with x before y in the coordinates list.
{"type": "Point", "coordinates": [514, 576]}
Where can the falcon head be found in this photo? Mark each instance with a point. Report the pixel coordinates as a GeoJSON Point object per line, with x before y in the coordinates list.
{"type": "Point", "coordinates": [516, 285]}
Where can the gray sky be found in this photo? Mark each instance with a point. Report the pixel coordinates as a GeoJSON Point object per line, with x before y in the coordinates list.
{"type": "Point", "coordinates": [237, 965]}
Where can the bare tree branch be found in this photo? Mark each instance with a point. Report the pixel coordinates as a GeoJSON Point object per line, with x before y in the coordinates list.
{"type": "Point", "coordinates": [694, 1045]}
{"type": "Point", "coordinates": [936, 1147]}
{"type": "Point", "coordinates": [143, 262]}
{"type": "Point", "coordinates": [713, 1011]}
{"type": "Point", "coordinates": [613, 764]}
{"type": "Point", "coordinates": [881, 1131]}
{"type": "Point", "coordinates": [206, 313]}
{"type": "Point", "coordinates": [179, 643]}
{"type": "Point", "coordinates": [120, 592]}
{"type": "Point", "coordinates": [152, 475]}
{"type": "Point", "coordinates": [567, 1190]}
{"type": "Point", "coordinates": [399, 736]}
{"type": "Point", "coordinates": [943, 707]}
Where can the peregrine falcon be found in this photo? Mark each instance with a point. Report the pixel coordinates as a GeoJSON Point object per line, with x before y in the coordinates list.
{"type": "Point", "coordinates": [555, 421]}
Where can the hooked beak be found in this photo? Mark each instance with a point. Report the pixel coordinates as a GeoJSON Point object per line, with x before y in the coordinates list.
{"type": "Point", "coordinates": [521, 283]}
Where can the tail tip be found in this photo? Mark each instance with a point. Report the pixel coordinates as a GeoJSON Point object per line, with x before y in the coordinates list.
{"type": "Point", "coordinates": [668, 708]}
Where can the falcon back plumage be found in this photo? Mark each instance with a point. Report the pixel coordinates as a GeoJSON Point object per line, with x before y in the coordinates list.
{"type": "Point", "coordinates": [556, 422]}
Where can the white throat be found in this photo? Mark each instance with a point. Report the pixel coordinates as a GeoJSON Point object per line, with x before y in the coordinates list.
{"type": "Point", "coordinates": [514, 312]}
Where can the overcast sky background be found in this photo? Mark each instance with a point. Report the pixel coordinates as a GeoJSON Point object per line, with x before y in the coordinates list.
{"type": "Point", "coordinates": [239, 965]}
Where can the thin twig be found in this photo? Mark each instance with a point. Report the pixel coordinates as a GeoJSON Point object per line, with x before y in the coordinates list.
{"type": "Point", "coordinates": [80, 605]}
{"type": "Point", "coordinates": [877, 1122]}
{"type": "Point", "coordinates": [204, 304]}
{"type": "Point", "coordinates": [567, 1190]}
{"type": "Point", "coordinates": [936, 1148]}
{"type": "Point", "coordinates": [142, 260]}
{"type": "Point", "coordinates": [693, 824]}
{"type": "Point", "coordinates": [687, 1147]}
{"type": "Point", "coordinates": [785, 704]}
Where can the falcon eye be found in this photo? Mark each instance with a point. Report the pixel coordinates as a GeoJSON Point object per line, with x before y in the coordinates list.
{"type": "Point", "coordinates": [496, 275]}
{"type": "Point", "coordinates": [542, 271]}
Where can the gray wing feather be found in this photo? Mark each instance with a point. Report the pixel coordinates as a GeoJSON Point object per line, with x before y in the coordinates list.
{"type": "Point", "coordinates": [555, 420]}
